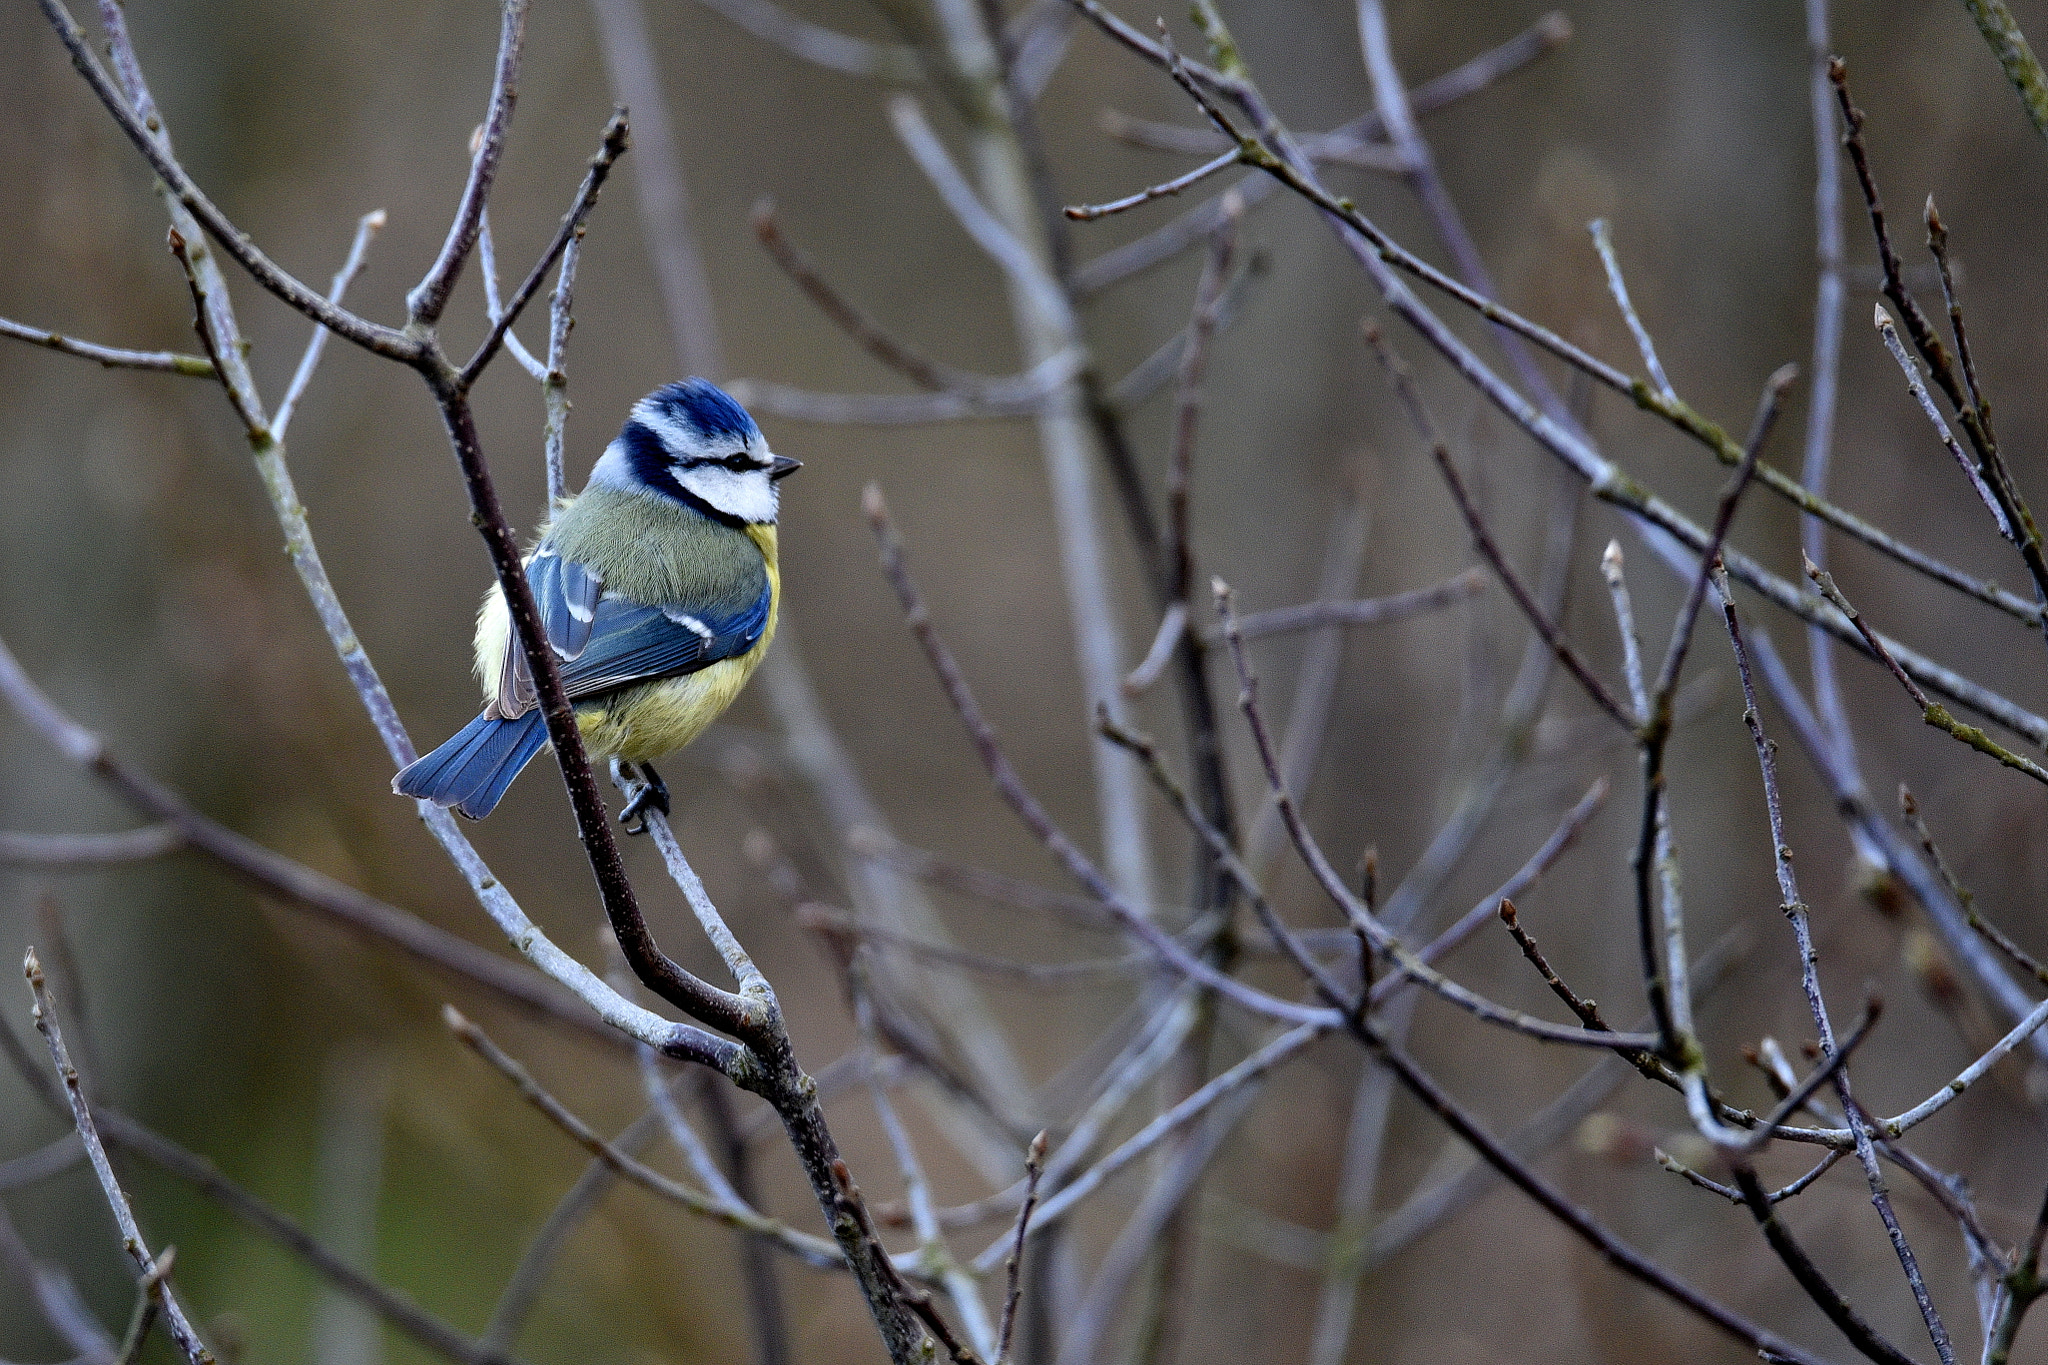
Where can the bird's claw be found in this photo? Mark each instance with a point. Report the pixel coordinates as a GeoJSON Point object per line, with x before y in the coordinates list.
{"type": "Point", "coordinates": [653, 795]}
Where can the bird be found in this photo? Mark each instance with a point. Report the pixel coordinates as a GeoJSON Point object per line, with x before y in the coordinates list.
{"type": "Point", "coordinates": [657, 588]}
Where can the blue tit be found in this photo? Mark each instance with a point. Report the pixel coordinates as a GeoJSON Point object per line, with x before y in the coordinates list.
{"type": "Point", "coordinates": [657, 589]}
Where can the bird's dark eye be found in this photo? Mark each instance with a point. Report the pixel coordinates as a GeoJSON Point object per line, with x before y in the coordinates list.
{"type": "Point", "coordinates": [738, 464]}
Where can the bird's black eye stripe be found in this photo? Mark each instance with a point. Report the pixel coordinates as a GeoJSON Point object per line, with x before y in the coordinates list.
{"type": "Point", "coordinates": [739, 462]}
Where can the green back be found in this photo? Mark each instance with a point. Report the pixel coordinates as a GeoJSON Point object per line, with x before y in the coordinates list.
{"type": "Point", "coordinates": [655, 550]}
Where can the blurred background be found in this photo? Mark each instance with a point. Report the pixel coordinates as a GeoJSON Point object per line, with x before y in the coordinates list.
{"type": "Point", "coordinates": [144, 589]}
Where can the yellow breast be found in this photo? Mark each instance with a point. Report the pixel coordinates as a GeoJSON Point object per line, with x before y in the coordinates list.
{"type": "Point", "coordinates": [647, 720]}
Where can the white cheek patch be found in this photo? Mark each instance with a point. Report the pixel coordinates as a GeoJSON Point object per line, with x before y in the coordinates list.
{"type": "Point", "coordinates": [746, 495]}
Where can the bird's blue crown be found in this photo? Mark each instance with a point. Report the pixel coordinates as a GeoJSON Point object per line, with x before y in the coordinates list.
{"type": "Point", "coordinates": [702, 407]}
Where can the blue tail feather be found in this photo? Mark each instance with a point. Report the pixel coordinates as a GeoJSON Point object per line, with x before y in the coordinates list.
{"type": "Point", "coordinates": [472, 769]}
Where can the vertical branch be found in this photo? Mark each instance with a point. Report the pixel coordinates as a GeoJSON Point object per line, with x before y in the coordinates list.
{"type": "Point", "coordinates": [429, 298]}
{"type": "Point", "coordinates": [1809, 973]}
{"type": "Point", "coordinates": [1825, 368]}
{"type": "Point", "coordinates": [1046, 326]}
{"type": "Point", "coordinates": [663, 188]}
{"type": "Point", "coordinates": [809, 743]}
{"type": "Point", "coordinates": [147, 1273]}
{"type": "Point", "coordinates": [554, 387]}
{"type": "Point", "coordinates": [349, 1170]}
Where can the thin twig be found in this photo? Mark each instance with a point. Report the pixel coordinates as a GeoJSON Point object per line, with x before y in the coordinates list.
{"type": "Point", "coordinates": [1010, 786]}
{"type": "Point", "coordinates": [149, 1301]}
{"type": "Point", "coordinates": [113, 357]}
{"type": "Point", "coordinates": [1937, 247]}
{"type": "Point", "coordinates": [1934, 714]}
{"type": "Point", "coordinates": [1367, 611]}
{"type": "Point", "coordinates": [1919, 391]}
{"type": "Point", "coordinates": [1655, 857]}
{"type": "Point", "coordinates": [1384, 943]}
{"type": "Point", "coordinates": [58, 851]}
{"type": "Point", "coordinates": [2002, 32]}
{"type": "Point", "coordinates": [1360, 136]}
{"type": "Point", "coordinates": [1797, 1187]}
{"type": "Point", "coordinates": [970, 397]}
{"type": "Point", "coordinates": [1809, 964]}
{"type": "Point", "coordinates": [849, 317]}
{"type": "Point", "coordinates": [1796, 1098]}
{"type": "Point", "coordinates": [1991, 933]}
{"type": "Point", "coordinates": [427, 299]}
{"type": "Point", "coordinates": [1587, 1010]}
{"type": "Point", "coordinates": [146, 1272]}
{"type": "Point", "coordinates": [1482, 539]}
{"type": "Point", "coordinates": [146, 131]}
{"type": "Point", "coordinates": [367, 228]}
{"type": "Point", "coordinates": [1165, 644]}
{"type": "Point", "coordinates": [1618, 287]}
{"type": "Point", "coordinates": [611, 146]}
{"type": "Point", "coordinates": [1976, 423]}
{"type": "Point", "coordinates": [932, 1252]}
{"type": "Point", "coordinates": [1254, 1067]}
{"type": "Point", "coordinates": [494, 304]}
{"type": "Point", "coordinates": [554, 386]}
{"type": "Point", "coordinates": [601, 1015]}
{"type": "Point", "coordinates": [1088, 213]}
{"type": "Point", "coordinates": [811, 1249]}
{"type": "Point", "coordinates": [125, 1133]}
{"type": "Point", "coordinates": [1013, 1268]}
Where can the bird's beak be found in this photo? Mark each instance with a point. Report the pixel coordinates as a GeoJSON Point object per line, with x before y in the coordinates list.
{"type": "Point", "coordinates": [781, 466]}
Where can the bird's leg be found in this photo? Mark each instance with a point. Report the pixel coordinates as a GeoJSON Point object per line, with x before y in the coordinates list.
{"type": "Point", "coordinates": [653, 794]}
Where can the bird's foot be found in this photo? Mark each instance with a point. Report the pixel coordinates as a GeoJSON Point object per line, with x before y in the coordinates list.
{"type": "Point", "coordinates": [653, 795]}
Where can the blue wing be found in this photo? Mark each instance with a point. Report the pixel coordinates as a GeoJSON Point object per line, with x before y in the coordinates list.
{"type": "Point", "coordinates": [603, 642]}
{"type": "Point", "coordinates": [567, 593]}
{"type": "Point", "coordinates": [630, 642]}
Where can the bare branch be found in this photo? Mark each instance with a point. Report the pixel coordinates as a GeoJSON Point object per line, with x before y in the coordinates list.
{"type": "Point", "coordinates": [847, 316]}
{"type": "Point", "coordinates": [1933, 714]}
{"type": "Point", "coordinates": [554, 386]}
{"type": "Point", "coordinates": [1482, 539]}
{"type": "Point", "coordinates": [1022, 395]}
{"type": "Point", "coordinates": [147, 1274]}
{"type": "Point", "coordinates": [88, 850]}
{"type": "Point", "coordinates": [151, 139]}
{"type": "Point", "coordinates": [429, 297]}
{"type": "Point", "coordinates": [1034, 816]}
{"type": "Point", "coordinates": [610, 149]}
{"type": "Point", "coordinates": [820, 46]}
{"type": "Point", "coordinates": [1367, 611]}
{"type": "Point", "coordinates": [1618, 287]}
{"type": "Point", "coordinates": [367, 228]}
{"type": "Point", "coordinates": [812, 1250]}
{"type": "Point", "coordinates": [1034, 1166]}
{"type": "Point", "coordinates": [1088, 213]}
{"type": "Point", "coordinates": [113, 357]}
{"type": "Point", "coordinates": [2002, 33]}
{"type": "Point", "coordinates": [1809, 966]}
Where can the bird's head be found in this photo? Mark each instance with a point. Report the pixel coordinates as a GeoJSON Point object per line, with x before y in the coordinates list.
{"type": "Point", "coordinates": [693, 443]}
